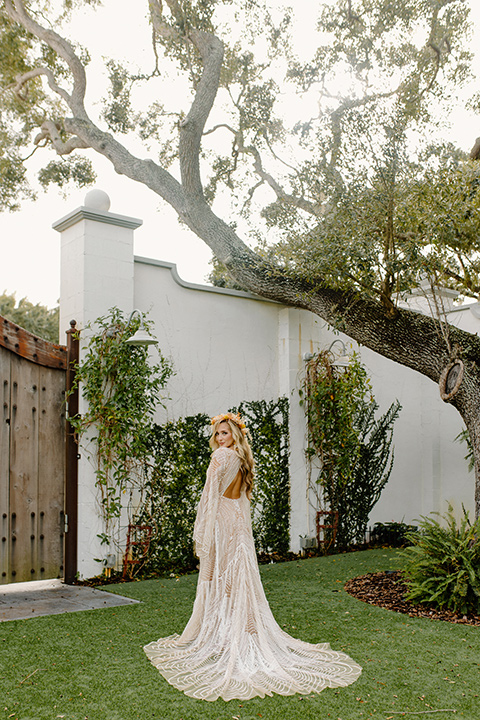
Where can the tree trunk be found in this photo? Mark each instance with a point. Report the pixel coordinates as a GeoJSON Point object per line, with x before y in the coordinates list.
{"type": "Point", "coordinates": [468, 405]}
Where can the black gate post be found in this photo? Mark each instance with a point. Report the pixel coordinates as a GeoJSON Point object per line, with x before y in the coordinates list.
{"type": "Point", "coordinates": [71, 459]}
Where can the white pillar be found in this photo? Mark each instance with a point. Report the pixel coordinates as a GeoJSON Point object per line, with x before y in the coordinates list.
{"type": "Point", "coordinates": [96, 275]}
{"type": "Point", "coordinates": [96, 261]}
{"type": "Point", "coordinates": [291, 347]}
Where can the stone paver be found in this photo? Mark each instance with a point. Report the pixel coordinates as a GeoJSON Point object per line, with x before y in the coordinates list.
{"type": "Point", "coordinates": [19, 601]}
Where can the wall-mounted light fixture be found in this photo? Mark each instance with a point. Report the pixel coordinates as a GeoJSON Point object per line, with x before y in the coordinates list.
{"type": "Point", "coordinates": [341, 360]}
{"type": "Point", "coordinates": [140, 338]}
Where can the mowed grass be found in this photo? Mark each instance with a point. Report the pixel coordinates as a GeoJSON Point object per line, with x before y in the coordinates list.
{"type": "Point", "coordinates": [91, 664]}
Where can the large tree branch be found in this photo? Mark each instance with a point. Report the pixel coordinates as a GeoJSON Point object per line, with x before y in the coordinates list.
{"type": "Point", "coordinates": [18, 13]}
{"type": "Point", "coordinates": [51, 131]}
{"type": "Point", "coordinates": [192, 127]}
{"type": "Point", "coordinates": [22, 80]}
{"type": "Point", "coordinates": [125, 163]}
{"type": "Point", "coordinates": [210, 49]}
{"type": "Point", "coordinates": [409, 338]}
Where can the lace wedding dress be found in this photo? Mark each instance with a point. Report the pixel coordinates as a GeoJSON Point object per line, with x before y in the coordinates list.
{"type": "Point", "coordinates": [232, 646]}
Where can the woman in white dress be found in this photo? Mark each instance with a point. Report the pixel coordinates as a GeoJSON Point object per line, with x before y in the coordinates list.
{"type": "Point", "coordinates": [232, 646]}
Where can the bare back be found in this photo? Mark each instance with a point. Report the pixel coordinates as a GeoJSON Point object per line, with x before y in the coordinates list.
{"type": "Point", "coordinates": [234, 489]}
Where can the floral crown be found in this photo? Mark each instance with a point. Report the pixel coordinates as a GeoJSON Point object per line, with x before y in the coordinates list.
{"type": "Point", "coordinates": [234, 418]}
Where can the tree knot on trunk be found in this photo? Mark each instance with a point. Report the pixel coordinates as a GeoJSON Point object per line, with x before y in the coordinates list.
{"type": "Point", "coordinates": [451, 379]}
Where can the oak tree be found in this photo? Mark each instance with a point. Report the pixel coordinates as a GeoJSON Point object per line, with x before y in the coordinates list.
{"type": "Point", "coordinates": [313, 178]}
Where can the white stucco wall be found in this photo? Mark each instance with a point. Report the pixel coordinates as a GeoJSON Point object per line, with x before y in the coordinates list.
{"type": "Point", "coordinates": [228, 346]}
{"type": "Point", "coordinates": [429, 468]}
{"type": "Point", "coordinates": [223, 345]}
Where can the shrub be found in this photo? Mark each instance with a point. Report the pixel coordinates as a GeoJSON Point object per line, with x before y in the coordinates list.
{"type": "Point", "coordinates": [443, 564]}
{"type": "Point", "coordinates": [394, 534]}
{"type": "Point", "coordinates": [180, 457]}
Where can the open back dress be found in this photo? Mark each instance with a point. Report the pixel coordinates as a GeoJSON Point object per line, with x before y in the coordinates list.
{"type": "Point", "coordinates": [232, 647]}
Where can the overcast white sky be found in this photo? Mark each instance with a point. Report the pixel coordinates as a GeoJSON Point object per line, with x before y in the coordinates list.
{"type": "Point", "coordinates": [30, 249]}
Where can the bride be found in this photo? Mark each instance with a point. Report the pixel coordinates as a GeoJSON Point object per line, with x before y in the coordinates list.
{"type": "Point", "coordinates": [232, 646]}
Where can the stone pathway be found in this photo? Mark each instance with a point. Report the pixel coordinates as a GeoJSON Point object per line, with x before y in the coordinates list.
{"type": "Point", "coordinates": [19, 601]}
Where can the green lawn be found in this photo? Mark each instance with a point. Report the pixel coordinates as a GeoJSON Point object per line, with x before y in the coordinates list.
{"type": "Point", "coordinates": [91, 664]}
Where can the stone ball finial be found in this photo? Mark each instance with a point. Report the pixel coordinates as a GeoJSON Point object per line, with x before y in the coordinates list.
{"type": "Point", "coordinates": [97, 200]}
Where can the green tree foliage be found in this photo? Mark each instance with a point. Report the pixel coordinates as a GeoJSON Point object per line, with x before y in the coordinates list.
{"type": "Point", "coordinates": [385, 232]}
{"type": "Point", "coordinates": [338, 185]}
{"type": "Point", "coordinates": [354, 449]}
{"type": "Point", "coordinates": [37, 319]}
{"type": "Point", "coordinates": [443, 563]}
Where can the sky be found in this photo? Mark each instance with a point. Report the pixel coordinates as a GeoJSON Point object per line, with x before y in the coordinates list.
{"type": "Point", "coordinates": [30, 248]}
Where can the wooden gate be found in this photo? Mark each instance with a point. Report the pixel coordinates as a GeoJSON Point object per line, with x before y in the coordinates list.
{"type": "Point", "coordinates": [32, 456]}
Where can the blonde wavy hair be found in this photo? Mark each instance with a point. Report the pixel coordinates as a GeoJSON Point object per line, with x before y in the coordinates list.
{"type": "Point", "coordinates": [241, 445]}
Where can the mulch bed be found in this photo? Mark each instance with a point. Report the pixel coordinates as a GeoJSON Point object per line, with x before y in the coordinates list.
{"type": "Point", "coordinates": [387, 589]}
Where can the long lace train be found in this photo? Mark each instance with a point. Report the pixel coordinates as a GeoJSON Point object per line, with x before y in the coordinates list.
{"type": "Point", "coordinates": [232, 647]}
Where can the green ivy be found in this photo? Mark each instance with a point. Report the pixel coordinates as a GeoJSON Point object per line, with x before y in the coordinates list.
{"type": "Point", "coordinates": [354, 449]}
{"type": "Point", "coordinates": [123, 390]}
{"type": "Point", "coordinates": [180, 456]}
{"type": "Point", "coordinates": [268, 424]}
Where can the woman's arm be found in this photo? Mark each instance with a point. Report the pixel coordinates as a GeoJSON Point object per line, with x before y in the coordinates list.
{"type": "Point", "coordinates": [207, 507]}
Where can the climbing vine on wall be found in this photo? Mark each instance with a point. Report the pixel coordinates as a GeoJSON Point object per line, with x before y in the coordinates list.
{"type": "Point", "coordinates": [180, 455]}
{"type": "Point", "coordinates": [268, 424]}
{"type": "Point", "coordinates": [122, 388]}
{"type": "Point", "coordinates": [353, 448]}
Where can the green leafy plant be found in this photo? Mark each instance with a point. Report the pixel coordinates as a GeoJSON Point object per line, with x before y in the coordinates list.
{"type": "Point", "coordinates": [464, 436]}
{"type": "Point", "coordinates": [353, 448]}
{"type": "Point", "coordinates": [393, 534]}
{"type": "Point", "coordinates": [180, 456]}
{"type": "Point", "coordinates": [122, 389]}
{"type": "Point", "coordinates": [370, 470]}
{"type": "Point", "coordinates": [443, 563]}
{"type": "Point", "coordinates": [268, 423]}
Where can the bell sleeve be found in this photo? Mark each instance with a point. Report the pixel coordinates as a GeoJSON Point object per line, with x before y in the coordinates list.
{"type": "Point", "coordinates": [207, 507]}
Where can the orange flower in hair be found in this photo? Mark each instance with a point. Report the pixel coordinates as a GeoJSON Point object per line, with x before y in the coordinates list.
{"type": "Point", "coordinates": [233, 418]}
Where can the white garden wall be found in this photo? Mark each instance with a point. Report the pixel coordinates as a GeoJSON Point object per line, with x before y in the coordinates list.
{"type": "Point", "coordinates": [228, 346]}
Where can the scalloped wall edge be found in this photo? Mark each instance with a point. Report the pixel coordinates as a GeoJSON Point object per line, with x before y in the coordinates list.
{"type": "Point", "coordinates": [195, 286]}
